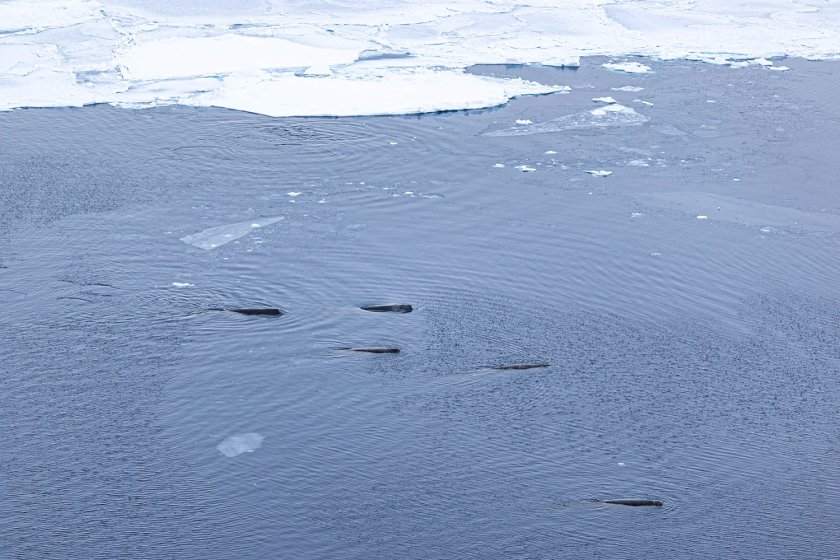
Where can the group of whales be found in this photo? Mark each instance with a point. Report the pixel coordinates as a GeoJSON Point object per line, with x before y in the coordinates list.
{"type": "Point", "coordinates": [406, 308]}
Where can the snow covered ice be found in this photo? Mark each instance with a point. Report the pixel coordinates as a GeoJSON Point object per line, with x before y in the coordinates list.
{"type": "Point", "coordinates": [331, 57]}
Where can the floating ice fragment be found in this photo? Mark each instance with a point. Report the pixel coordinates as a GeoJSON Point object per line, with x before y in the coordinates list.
{"type": "Point", "coordinates": [239, 444]}
{"type": "Point", "coordinates": [632, 89]}
{"type": "Point", "coordinates": [638, 163]}
{"type": "Point", "coordinates": [498, 165]}
{"type": "Point", "coordinates": [711, 101]}
{"type": "Point", "coordinates": [182, 284]}
{"type": "Point", "coordinates": [599, 172]}
{"type": "Point", "coordinates": [602, 117]}
{"type": "Point", "coordinates": [550, 152]}
{"type": "Point", "coordinates": [604, 100]}
{"type": "Point", "coordinates": [627, 67]}
{"type": "Point", "coordinates": [736, 179]}
{"type": "Point", "coordinates": [655, 254]}
{"type": "Point", "coordinates": [778, 68]}
{"type": "Point", "coordinates": [524, 121]}
{"type": "Point", "coordinates": [648, 103]}
{"type": "Point", "coordinates": [612, 108]}
{"type": "Point", "coordinates": [408, 193]}
{"type": "Point", "coordinates": [392, 143]}
{"type": "Point", "coordinates": [702, 217]}
{"type": "Point", "coordinates": [217, 236]}
{"type": "Point", "coordinates": [294, 194]}
{"type": "Point", "coordinates": [525, 168]}
{"type": "Point", "coordinates": [636, 215]}
{"type": "Point", "coordinates": [768, 229]}
{"type": "Point", "coordinates": [322, 201]}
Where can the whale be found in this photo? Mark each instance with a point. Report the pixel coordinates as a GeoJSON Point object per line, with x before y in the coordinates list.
{"type": "Point", "coordinates": [635, 503]}
{"type": "Point", "coordinates": [521, 366]}
{"type": "Point", "coordinates": [271, 311]}
{"type": "Point", "coordinates": [397, 308]}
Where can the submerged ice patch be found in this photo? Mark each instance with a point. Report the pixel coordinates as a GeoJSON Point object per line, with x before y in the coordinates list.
{"type": "Point", "coordinates": [240, 443]}
{"type": "Point", "coordinates": [220, 235]}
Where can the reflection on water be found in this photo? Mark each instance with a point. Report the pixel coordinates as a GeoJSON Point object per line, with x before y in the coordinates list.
{"type": "Point", "coordinates": [689, 361]}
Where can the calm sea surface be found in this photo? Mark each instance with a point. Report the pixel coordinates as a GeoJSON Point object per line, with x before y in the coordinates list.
{"type": "Point", "coordinates": [688, 305]}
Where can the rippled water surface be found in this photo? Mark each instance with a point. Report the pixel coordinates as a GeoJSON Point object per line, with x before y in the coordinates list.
{"type": "Point", "coordinates": [687, 305]}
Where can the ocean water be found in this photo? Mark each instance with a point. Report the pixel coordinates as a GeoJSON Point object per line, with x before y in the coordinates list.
{"type": "Point", "coordinates": [687, 303]}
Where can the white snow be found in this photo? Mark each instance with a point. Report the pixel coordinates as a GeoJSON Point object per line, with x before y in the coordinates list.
{"type": "Point", "coordinates": [336, 57]}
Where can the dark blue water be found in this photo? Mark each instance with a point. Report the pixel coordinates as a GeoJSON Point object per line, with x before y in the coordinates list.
{"type": "Point", "coordinates": [693, 361]}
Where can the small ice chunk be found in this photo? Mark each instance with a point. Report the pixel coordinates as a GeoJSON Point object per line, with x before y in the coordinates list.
{"type": "Point", "coordinates": [627, 67]}
{"type": "Point", "coordinates": [322, 201]}
{"type": "Point", "coordinates": [655, 254]}
{"type": "Point", "coordinates": [621, 464]}
{"type": "Point", "coordinates": [550, 152]}
{"type": "Point", "coordinates": [239, 444]}
{"type": "Point", "coordinates": [499, 165]}
{"type": "Point", "coordinates": [599, 172]}
{"type": "Point", "coordinates": [638, 163]}
{"type": "Point", "coordinates": [182, 284]}
{"type": "Point", "coordinates": [636, 215]}
{"type": "Point", "coordinates": [525, 168]}
{"type": "Point", "coordinates": [778, 68]}
{"type": "Point", "coordinates": [392, 143]}
{"type": "Point", "coordinates": [736, 179]}
{"type": "Point", "coordinates": [648, 103]}
{"type": "Point", "coordinates": [769, 229]}
{"type": "Point", "coordinates": [607, 99]}
{"type": "Point", "coordinates": [294, 194]}
{"type": "Point", "coordinates": [612, 108]}
{"type": "Point", "coordinates": [408, 193]}
{"type": "Point", "coordinates": [524, 121]}
{"type": "Point", "coordinates": [702, 217]}
{"type": "Point", "coordinates": [632, 89]}
{"type": "Point", "coordinates": [711, 101]}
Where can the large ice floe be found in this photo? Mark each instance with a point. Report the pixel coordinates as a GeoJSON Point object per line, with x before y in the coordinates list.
{"type": "Point", "coordinates": [357, 57]}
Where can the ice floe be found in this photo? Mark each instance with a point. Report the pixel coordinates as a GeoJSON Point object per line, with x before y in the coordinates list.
{"type": "Point", "coordinates": [335, 57]}
{"type": "Point", "coordinates": [217, 236]}
{"type": "Point", "coordinates": [604, 100]}
{"type": "Point", "coordinates": [632, 89]}
{"type": "Point", "coordinates": [628, 67]}
{"type": "Point", "coordinates": [239, 444]}
{"type": "Point", "coordinates": [599, 172]}
{"type": "Point", "coordinates": [526, 168]}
